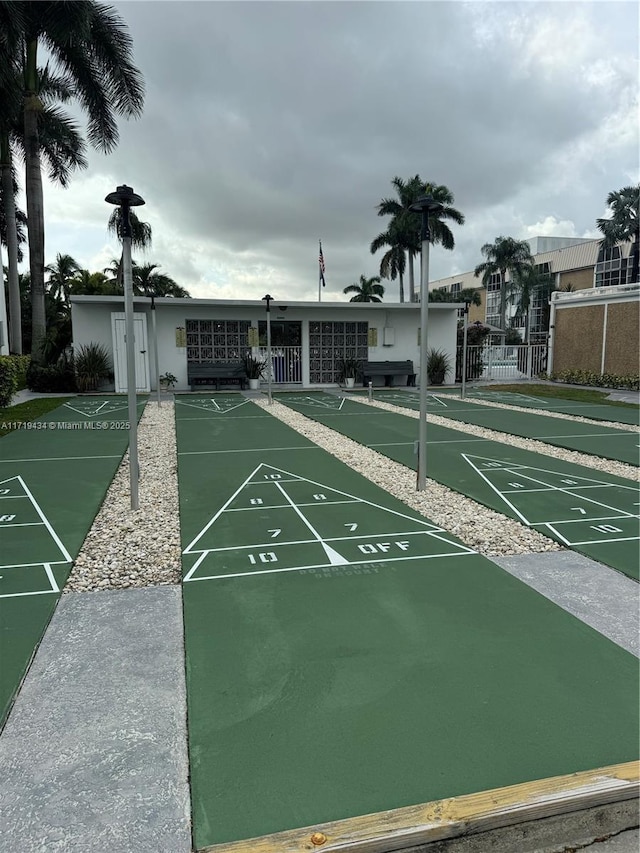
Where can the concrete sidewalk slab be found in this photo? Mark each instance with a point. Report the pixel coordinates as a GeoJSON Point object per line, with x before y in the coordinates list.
{"type": "Point", "coordinates": [94, 753]}
{"type": "Point", "coordinates": [598, 595]}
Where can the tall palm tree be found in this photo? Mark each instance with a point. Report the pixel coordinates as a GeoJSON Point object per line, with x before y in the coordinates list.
{"type": "Point", "coordinates": [141, 238]}
{"type": "Point", "coordinates": [624, 224]}
{"type": "Point", "coordinates": [61, 275]}
{"type": "Point", "coordinates": [503, 255]}
{"type": "Point", "coordinates": [89, 44]}
{"type": "Point", "coordinates": [87, 283]}
{"type": "Point", "coordinates": [394, 261]}
{"type": "Point", "coordinates": [368, 290]}
{"type": "Point", "coordinates": [148, 282]}
{"type": "Point", "coordinates": [530, 283]}
{"type": "Point", "coordinates": [62, 150]}
{"type": "Point", "coordinates": [409, 223]}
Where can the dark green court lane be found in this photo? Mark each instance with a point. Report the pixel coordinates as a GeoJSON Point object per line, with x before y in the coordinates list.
{"type": "Point", "coordinates": [574, 435]}
{"type": "Point", "coordinates": [597, 411]}
{"type": "Point", "coordinates": [371, 682]}
{"type": "Point", "coordinates": [586, 510]}
{"type": "Point", "coordinates": [53, 478]}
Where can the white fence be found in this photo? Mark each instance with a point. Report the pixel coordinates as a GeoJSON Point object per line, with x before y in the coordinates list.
{"type": "Point", "coordinates": [503, 362]}
{"type": "Point", "coordinates": [286, 364]}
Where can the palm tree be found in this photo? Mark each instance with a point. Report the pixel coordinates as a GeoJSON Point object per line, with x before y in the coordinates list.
{"type": "Point", "coordinates": [469, 294]}
{"type": "Point", "coordinates": [141, 237]}
{"type": "Point", "coordinates": [531, 284]}
{"type": "Point", "coordinates": [87, 283]}
{"type": "Point", "coordinates": [90, 45]}
{"type": "Point", "coordinates": [62, 150]}
{"type": "Point", "coordinates": [61, 275]}
{"type": "Point", "coordinates": [369, 290]}
{"type": "Point", "coordinates": [148, 282]}
{"type": "Point", "coordinates": [624, 224]}
{"type": "Point", "coordinates": [394, 261]}
{"type": "Point", "coordinates": [503, 255]}
{"type": "Point", "coordinates": [409, 223]}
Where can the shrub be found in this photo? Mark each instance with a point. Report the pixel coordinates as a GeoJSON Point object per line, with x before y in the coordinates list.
{"type": "Point", "coordinates": [22, 363]}
{"type": "Point", "coordinates": [8, 379]}
{"type": "Point", "coordinates": [629, 382]}
{"type": "Point", "coordinates": [92, 365]}
{"type": "Point", "coordinates": [54, 379]}
{"type": "Point", "coordinates": [438, 363]}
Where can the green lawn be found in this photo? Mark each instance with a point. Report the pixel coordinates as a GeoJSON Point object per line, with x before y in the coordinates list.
{"type": "Point", "coordinates": [559, 392]}
{"type": "Point", "coordinates": [29, 411]}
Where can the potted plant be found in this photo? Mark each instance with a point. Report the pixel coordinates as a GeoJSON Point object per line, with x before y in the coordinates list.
{"type": "Point", "coordinates": [254, 368]}
{"type": "Point", "coordinates": [92, 365]}
{"type": "Point", "coordinates": [349, 369]}
{"type": "Point", "coordinates": [167, 380]}
{"type": "Point", "coordinates": [438, 364]}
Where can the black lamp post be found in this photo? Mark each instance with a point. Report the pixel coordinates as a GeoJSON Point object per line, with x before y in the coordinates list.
{"type": "Point", "coordinates": [465, 318]}
{"type": "Point", "coordinates": [125, 198]}
{"type": "Point", "coordinates": [425, 205]}
{"type": "Point", "coordinates": [268, 299]}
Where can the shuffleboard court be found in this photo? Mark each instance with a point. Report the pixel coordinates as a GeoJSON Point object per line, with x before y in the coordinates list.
{"type": "Point", "coordinates": [574, 435]}
{"type": "Point", "coordinates": [53, 477]}
{"type": "Point", "coordinates": [590, 511]}
{"type": "Point", "coordinates": [345, 656]}
{"type": "Point", "coordinates": [597, 411]}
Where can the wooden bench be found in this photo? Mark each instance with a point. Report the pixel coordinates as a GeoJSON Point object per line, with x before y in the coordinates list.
{"type": "Point", "coordinates": [388, 369]}
{"type": "Point", "coordinates": [215, 372]}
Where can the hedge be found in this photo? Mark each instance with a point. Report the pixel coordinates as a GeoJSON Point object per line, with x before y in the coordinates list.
{"type": "Point", "coordinates": [8, 379]}
{"type": "Point", "coordinates": [629, 382]}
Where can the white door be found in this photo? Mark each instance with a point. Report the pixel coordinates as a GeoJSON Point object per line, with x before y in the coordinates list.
{"type": "Point", "coordinates": [119, 334]}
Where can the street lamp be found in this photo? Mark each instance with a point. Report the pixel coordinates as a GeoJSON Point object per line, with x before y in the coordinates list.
{"type": "Point", "coordinates": [425, 205]}
{"type": "Point", "coordinates": [268, 299]}
{"type": "Point", "coordinates": [125, 198]}
{"type": "Point", "coordinates": [154, 328]}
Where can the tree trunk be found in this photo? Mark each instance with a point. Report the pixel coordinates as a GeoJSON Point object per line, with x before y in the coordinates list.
{"type": "Point", "coordinates": [412, 287]}
{"type": "Point", "coordinates": [35, 203]}
{"type": "Point", "coordinates": [15, 314]}
{"type": "Point", "coordinates": [401, 286]}
{"type": "Point", "coordinates": [503, 300]}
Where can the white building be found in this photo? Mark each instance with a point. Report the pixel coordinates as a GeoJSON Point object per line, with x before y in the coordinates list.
{"type": "Point", "coordinates": [308, 338]}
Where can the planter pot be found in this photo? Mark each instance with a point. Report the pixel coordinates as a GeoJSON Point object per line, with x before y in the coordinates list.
{"type": "Point", "coordinates": [436, 379]}
{"type": "Point", "coordinates": [349, 382]}
{"type": "Point", "coordinates": [254, 384]}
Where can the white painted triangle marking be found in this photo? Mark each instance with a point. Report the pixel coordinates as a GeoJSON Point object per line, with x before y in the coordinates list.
{"type": "Point", "coordinates": [334, 558]}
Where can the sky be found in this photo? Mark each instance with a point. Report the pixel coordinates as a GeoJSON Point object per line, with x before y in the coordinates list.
{"type": "Point", "coordinates": [268, 126]}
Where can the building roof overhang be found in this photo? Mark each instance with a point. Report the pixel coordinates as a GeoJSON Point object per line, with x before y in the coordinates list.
{"type": "Point", "coordinates": [258, 303]}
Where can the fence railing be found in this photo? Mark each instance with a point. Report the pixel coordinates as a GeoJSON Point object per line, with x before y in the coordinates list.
{"type": "Point", "coordinates": [502, 362]}
{"type": "Point", "coordinates": [286, 363]}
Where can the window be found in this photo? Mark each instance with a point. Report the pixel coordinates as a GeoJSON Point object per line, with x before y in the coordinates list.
{"type": "Point", "coordinates": [217, 340]}
{"type": "Point", "coordinates": [611, 268]}
{"type": "Point", "coordinates": [330, 341]}
{"type": "Point", "coordinates": [456, 288]}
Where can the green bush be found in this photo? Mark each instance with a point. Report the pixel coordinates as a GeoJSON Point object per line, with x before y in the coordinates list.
{"type": "Point", "coordinates": [55, 379]}
{"type": "Point", "coordinates": [629, 382]}
{"type": "Point", "coordinates": [8, 379]}
{"type": "Point", "coordinates": [22, 363]}
{"type": "Point", "coordinates": [93, 364]}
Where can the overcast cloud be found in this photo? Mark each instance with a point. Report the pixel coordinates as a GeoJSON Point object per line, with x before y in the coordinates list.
{"type": "Point", "coordinates": [270, 125]}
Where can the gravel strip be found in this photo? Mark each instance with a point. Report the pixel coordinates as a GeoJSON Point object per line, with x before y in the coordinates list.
{"type": "Point", "coordinates": [126, 548]}
{"type": "Point", "coordinates": [483, 529]}
{"type": "Point", "coordinates": [609, 466]}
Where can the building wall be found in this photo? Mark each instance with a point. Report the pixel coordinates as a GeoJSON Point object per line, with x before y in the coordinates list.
{"type": "Point", "coordinates": [92, 323]}
{"type": "Point", "coordinates": [479, 312]}
{"type": "Point", "coordinates": [578, 338]}
{"type": "Point", "coordinates": [622, 354]}
{"type": "Point", "coordinates": [578, 279]}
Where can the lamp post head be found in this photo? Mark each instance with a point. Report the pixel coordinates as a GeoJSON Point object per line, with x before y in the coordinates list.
{"type": "Point", "coordinates": [426, 204]}
{"type": "Point", "coordinates": [124, 195]}
{"type": "Point", "coordinates": [268, 299]}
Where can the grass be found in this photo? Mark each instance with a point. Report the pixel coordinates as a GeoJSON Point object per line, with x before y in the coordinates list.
{"type": "Point", "coordinates": [29, 411]}
{"type": "Point", "coordinates": [561, 393]}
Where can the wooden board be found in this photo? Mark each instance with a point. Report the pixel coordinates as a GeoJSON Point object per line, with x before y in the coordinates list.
{"type": "Point", "coordinates": [385, 832]}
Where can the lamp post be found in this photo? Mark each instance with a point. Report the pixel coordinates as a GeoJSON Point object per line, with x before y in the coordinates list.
{"type": "Point", "coordinates": [425, 205]}
{"type": "Point", "coordinates": [268, 299]}
{"type": "Point", "coordinates": [465, 318]}
{"type": "Point", "coordinates": [154, 327]}
{"type": "Point", "coordinates": [125, 198]}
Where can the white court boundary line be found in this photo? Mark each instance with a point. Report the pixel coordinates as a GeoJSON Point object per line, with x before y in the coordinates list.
{"type": "Point", "coordinates": [548, 524]}
{"type": "Point", "coordinates": [217, 410]}
{"type": "Point", "coordinates": [108, 412]}
{"type": "Point", "coordinates": [313, 403]}
{"type": "Point", "coordinates": [49, 573]}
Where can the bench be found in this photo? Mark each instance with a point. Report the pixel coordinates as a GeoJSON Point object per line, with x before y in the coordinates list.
{"type": "Point", "coordinates": [388, 369]}
{"type": "Point", "coordinates": [215, 372]}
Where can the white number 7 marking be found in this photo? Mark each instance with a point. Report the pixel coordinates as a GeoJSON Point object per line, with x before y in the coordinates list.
{"type": "Point", "coordinates": [352, 527]}
{"type": "Point", "coordinates": [276, 531]}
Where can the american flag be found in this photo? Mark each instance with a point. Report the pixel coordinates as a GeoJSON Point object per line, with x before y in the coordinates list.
{"type": "Point", "coordinates": [321, 262]}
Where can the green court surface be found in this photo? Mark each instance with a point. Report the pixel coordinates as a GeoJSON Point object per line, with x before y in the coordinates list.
{"type": "Point", "coordinates": [53, 477]}
{"type": "Point", "coordinates": [573, 435]}
{"type": "Point", "coordinates": [597, 411]}
{"type": "Point", "coordinates": [586, 510]}
{"type": "Point", "coordinates": [345, 656]}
